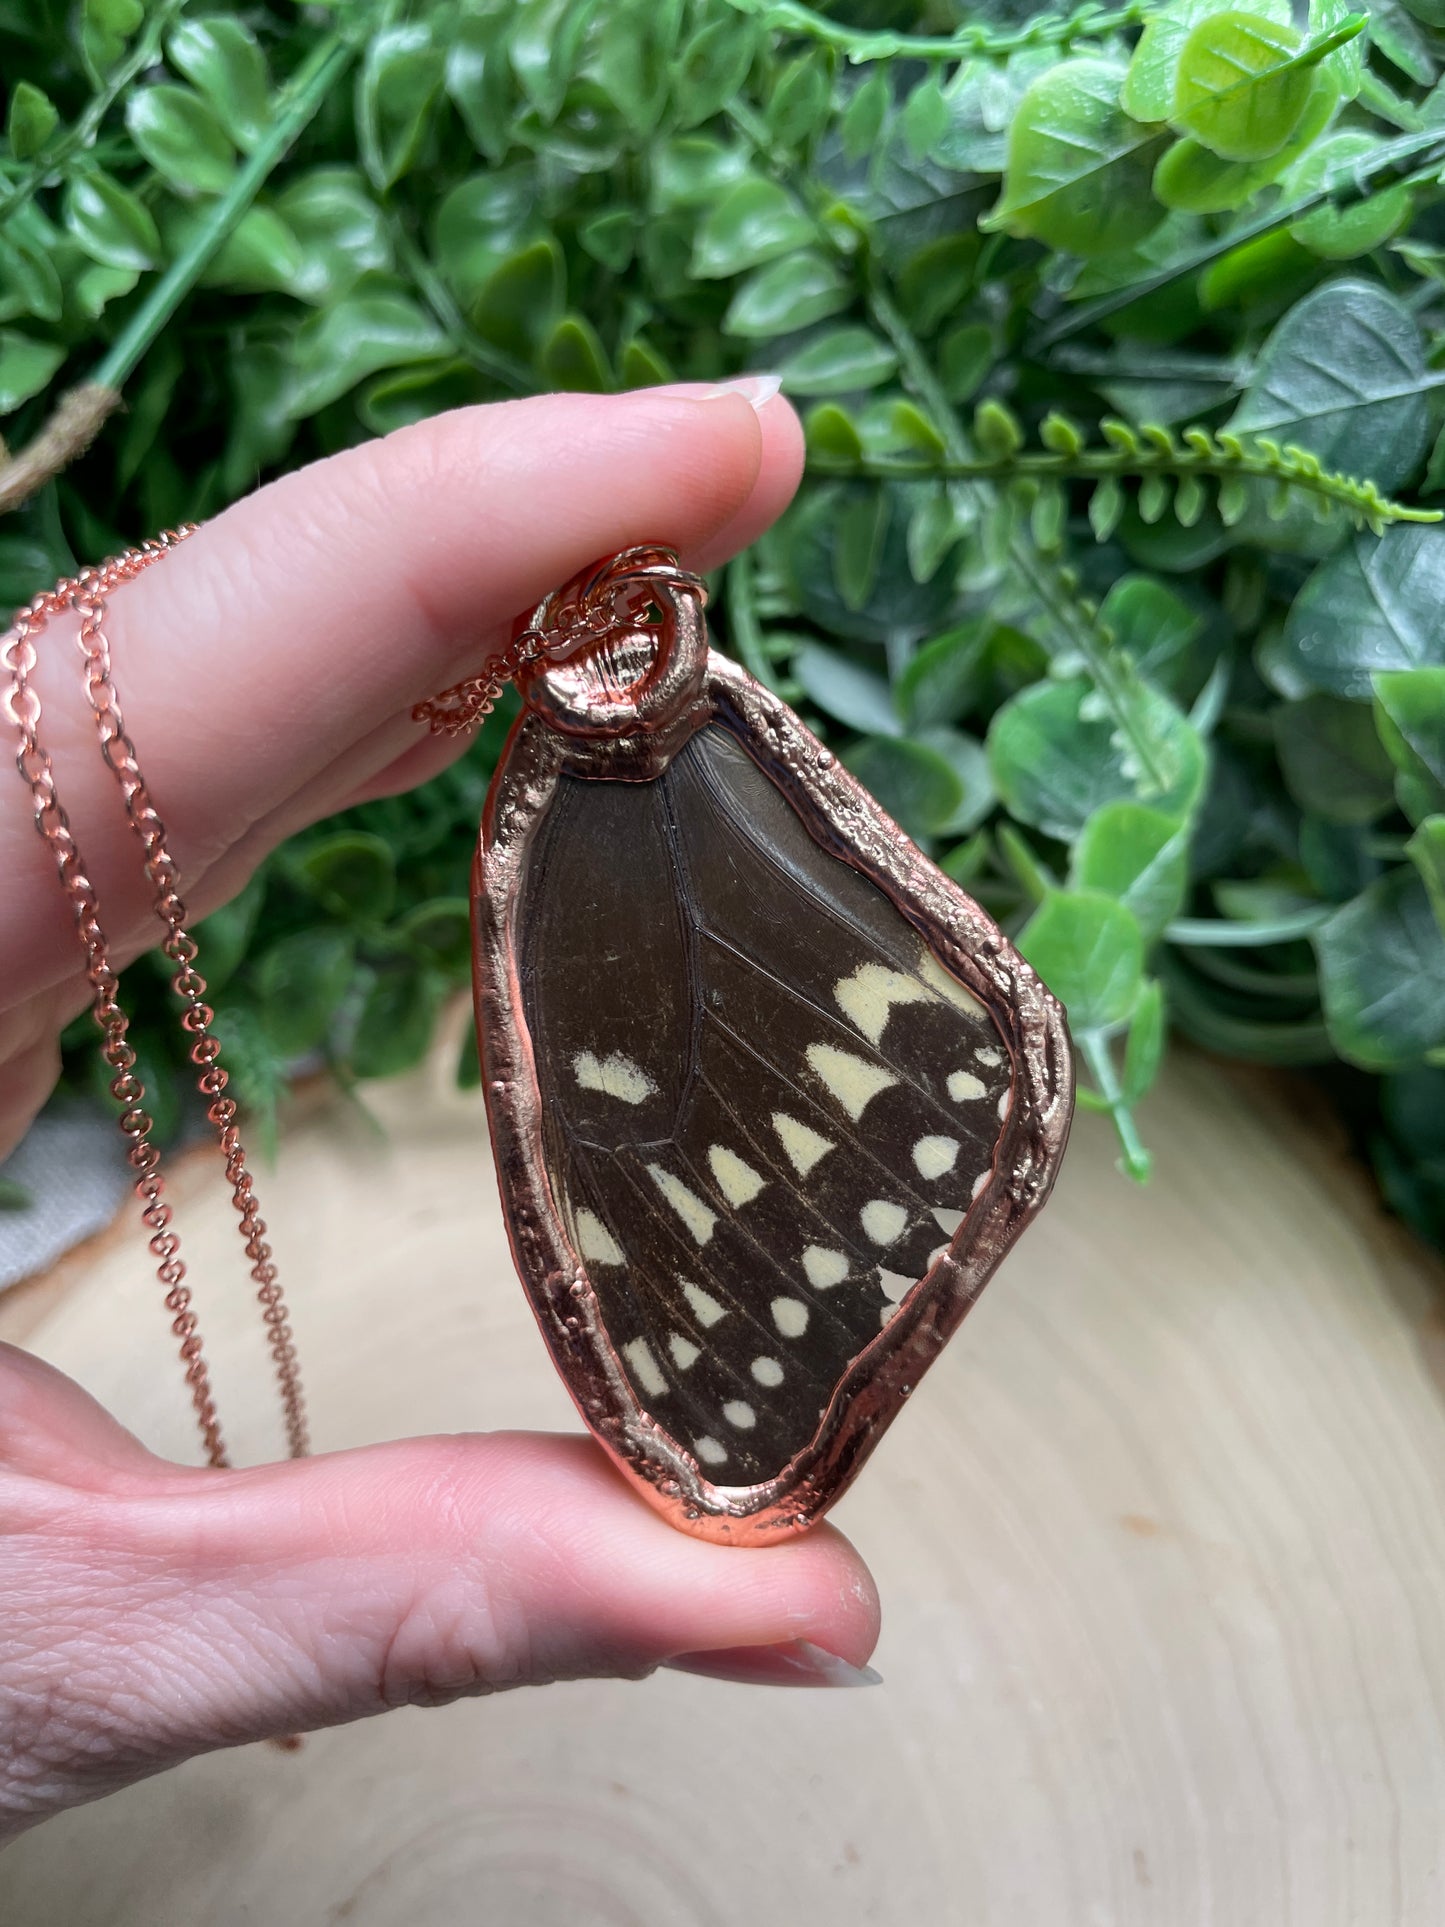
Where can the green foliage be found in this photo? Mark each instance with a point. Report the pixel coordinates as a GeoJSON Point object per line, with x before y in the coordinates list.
{"type": "Point", "coordinates": [1113, 573]}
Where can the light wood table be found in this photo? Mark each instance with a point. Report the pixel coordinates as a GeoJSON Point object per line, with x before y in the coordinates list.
{"type": "Point", "coordinates": [1161, 1542]}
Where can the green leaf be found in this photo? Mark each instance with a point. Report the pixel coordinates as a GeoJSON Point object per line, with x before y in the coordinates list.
{"type": "Point", "coordinates": [400, 80]}
{"type": "Point", "coordinates": [182, 138]}
{"type": "Point", "coordinates": [968, 759]}
{"type": "Point", "coordinates": [1078, 173]}
{"type": "Point", "coordinates": [1333, 760]}
{"type": "Point", "coordinates": [109, 222]}
{"type": "Point", "coordinates": [352, 873]}
{"type": "Point", "coordinates": [1138, 855]}
{"type": "Point", "coordinates": [863, 118]}
{"type": "Point", "coordinates": [1148, 91]}
{"type": "Point", "coordinates": [1410, 716]}
{"type": "Point", "coordinates": [785, 295]}
{"type": "Point", "coordinates": [396, 1023]}
{"type": "Point", "coordinates": [523, 298]}
{"type": "Point", "coordinates": [1144, 1050]}
{"type": "Point", "coordinates": [340, 230]}
{"type": "Point", "coordinates": [31, 120]}
{"type": "Point", "coordinates": [302, 980]}
{"type": "Point", "coordinates": [1056, 760]}
{"type": "Point", "coordinates": [1088, 950]}
{"type": "Point", "coordinates": [375, 327]}
{"type": "Point", "coordinates": [1373, 606]}
{"type": "Point", "coordinates": [756, 221]}
{"type": "Point", "coordinates": [26, 366]}
{"type": "Point", "coordinates": [1426, 850]}
{"type": "Point", "coordinates": [1342, 376]}
{"type": "Point", "coordinates": [223, 60]}
{"type": "Point", "coordinates": [1242, 84]}
{"type": "Point", "coordinates": [260, 255]}
{"type": "Point", "coordinates": [105, 27]}
{"type": "Point", "coordinates": [1152, 622]}
{"type": "Point", "coordinates": [857, 561]}
{"type": "Point", "coordinates": [802, 100]}
{"type": "Point", "coordinates": [440, 931]}
{"type": "Point", "coordinates": [914, 783]}
{"type": "Point", "coordinates": [1191, 178]}
{"type": "Point", "coordinates": [713, 66]}
{"type": "Point", "coordinates": [573, 358]}
{"type": "Point", "coordinates": [479, 82]}
{"type": "Point", "coordinates": [846, 690]}
{"type": "Point", "coordinates": [832, 435]}
{"type": "Point", "coordinates": [965, 356]}
{"type": "Point", "coordinates": [1382, 974]}
{"type": "Point", "coordinates": [1341, 233]}
{"type": "Point", "coordinates": [225, 935]}
{"type": "Point", "coordinates": [946, 677]}
{"type": "Point", "coordinates": [839, 361]}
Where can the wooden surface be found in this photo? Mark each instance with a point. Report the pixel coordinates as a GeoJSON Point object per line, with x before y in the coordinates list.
{"type": "Point", "coordinates": [1161, 1542]}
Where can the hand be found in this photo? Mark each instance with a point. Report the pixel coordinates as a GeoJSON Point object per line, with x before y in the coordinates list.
{"type": "Point", "coordinates": [267, 670]}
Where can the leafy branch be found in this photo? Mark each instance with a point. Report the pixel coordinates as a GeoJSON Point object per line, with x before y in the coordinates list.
{"type": "Point", "coordinates": [79, 135]}
{"type": "Point", "coordinates": [1148, 452]}
{"type": "Point", "coordinates": [975, 40]}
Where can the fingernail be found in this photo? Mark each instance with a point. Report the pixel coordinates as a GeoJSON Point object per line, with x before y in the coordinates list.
{"type": "Point", "coordinates": [796, 1662]}
{"type": "Point", "coordinates": [758, 389]}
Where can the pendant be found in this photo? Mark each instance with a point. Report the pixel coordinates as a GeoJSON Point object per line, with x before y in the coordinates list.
{"type": "Point", "coordinates": [770, 1097]}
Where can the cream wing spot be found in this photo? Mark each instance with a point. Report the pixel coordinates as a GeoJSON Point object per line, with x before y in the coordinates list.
{"type": "Point", "coordinates": [684, 1353]}
{"type": "Point", "coordinates": [803, 1145]}
{"type": "Point", "coordinates": [948, 987]}
{"type": "Point", "coordinates": [946, 1220]}
{"type": "Point", "coordinates": [934, 1156]}
{"type": "Point", "coordinates": [740, 1414]}
{"type": "Point", "coordinates": [963, 1086]}
{"type": "Point", "coordinates": [884, 1221]}
{"type": "Point", "coordinates": [853, 1081]}
{"type": "Point", "coordinates": [980, 1183]}
{"type": "Point", "coordinates": [896, 1286]}
{"type": "Point", "coordinates": [868, 996]}
{"type": "Point", "coordinates": [596, 1242]}
{"type": "Point", "coordinates": [709, 1450]}
{"type": "Point", "coordinates": [645, 1367]}
{"type": "Point", "coordinates": [989, 1056]}
{"type": "Point", "coordinates": [790, 1315]}
{"type": "Point", "coordinates": [767, 1371]}
{"type": "Point", "coordinates": [687, 1204]}
{"type": "Point", "coordinates": [705, 1308]}
{"type": "Point", "coordinates": [738, 1182]}
{"type": "Point", "coordinates": [824, 1268]}
{"type": "Point", "coordinates": [614, 1076]}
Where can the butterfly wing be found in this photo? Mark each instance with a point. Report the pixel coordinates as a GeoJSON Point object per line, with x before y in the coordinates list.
{"type": "Point", "coordinates": [766, 1106]}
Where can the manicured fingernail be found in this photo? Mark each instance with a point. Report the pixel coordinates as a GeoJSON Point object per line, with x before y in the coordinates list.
{"type": "Point", "coordinates": [797, 1662]}
{"type": "Point", "coordinates": [758, 389]}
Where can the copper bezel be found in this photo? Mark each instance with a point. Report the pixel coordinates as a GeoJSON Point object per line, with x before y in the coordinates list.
{"type": "Point", "coordinates": [841, 816]}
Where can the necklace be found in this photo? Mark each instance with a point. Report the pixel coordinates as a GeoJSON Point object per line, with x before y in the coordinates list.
{"type": "Point", "coordinates": [769, 1096]}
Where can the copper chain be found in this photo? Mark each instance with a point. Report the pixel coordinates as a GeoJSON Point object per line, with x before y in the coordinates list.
{"type": "Point", "coordinates": [85, 594]}
{"type": "Point", "coordinates": [614, 597]}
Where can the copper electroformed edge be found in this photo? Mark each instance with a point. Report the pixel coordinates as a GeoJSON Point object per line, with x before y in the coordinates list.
{"type": "Point", "coordinates": [573, 725]}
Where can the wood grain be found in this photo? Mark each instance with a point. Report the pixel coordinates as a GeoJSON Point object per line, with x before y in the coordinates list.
{"type": "Point", "coordinates": [1161, 1542]}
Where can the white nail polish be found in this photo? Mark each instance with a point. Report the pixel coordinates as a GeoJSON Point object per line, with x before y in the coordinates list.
{"type": "Point", "coordinates": [758, 389]}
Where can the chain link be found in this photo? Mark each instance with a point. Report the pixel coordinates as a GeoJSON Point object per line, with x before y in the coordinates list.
{"type": "Point", "coordinates": [86, 595]}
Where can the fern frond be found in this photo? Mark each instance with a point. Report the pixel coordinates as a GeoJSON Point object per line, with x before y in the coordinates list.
{"type": "Point", "coordinates": [1172, 471]}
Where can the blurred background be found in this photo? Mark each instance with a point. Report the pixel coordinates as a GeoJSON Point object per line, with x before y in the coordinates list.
{"type": "Point", "coordinates": [1115, 331]}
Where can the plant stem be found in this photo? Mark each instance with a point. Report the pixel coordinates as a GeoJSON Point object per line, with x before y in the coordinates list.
{"type": "Point", "coordinates": [1047, 577]}
{"type": "Point", "coordinates": [1221, 933]}
{"type": "Point", "coordinates": [1094, 1049]}
{"type": "Point", "coordinates": [1341, 190]}
{"type": "Point", "coordinates": [1096, 464]}
{"type": "Point", "coordinates": [859, 44]}
{"type": "Point", "coordinates": [85, 128]}
{"type": "Point", "coordinates": [299, 102]}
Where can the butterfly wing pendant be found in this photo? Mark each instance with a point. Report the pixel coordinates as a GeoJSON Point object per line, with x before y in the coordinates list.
{"type": "Point", "coordinates": [770, 1097]}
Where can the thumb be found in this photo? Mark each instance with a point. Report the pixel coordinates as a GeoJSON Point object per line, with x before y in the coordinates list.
{"type": "Point", "coordinates": [176, 1611]}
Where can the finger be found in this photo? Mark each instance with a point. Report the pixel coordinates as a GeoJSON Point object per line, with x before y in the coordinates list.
{"type": "Point", "coordinates": [50, 1428]}
{"type": "Point", "coordinates": [259, 1603]}
{"type": "Point", "coordinates": [301, 620]}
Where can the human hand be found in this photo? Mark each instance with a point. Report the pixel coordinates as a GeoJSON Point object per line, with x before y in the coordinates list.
{"type": "Point", "coordinates": [267, 670]}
